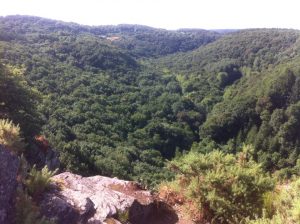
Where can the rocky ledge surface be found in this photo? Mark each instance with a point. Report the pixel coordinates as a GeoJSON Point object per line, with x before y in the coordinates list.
{"type": "Point", "coordinates": [98, 199]}
{"type": "Point", "coordinates": [9, 165]}
{"type": "Point", "coordinates": [73, 199]}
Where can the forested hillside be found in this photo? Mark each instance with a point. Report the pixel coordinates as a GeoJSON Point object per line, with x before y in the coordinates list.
{"type": "Point", "coordinates": [248, 84]}
{"type": "Point", "coordinates": [102, 109]}
{"type": "Point", "coordinates": [121, 100]}
{"type": "Point", "coordinates": [164, 108]}
{"type": "Point", "coordinates": [137, 40]}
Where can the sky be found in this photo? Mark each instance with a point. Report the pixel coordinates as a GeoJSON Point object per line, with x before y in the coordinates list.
{"type": "Point", "coordinates": [168, 14]}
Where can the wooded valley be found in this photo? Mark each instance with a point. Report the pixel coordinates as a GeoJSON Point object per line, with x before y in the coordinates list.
{"type": "Point", "coordinates": [150, 105]}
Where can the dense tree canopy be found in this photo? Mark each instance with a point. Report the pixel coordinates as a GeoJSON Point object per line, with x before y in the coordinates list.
{"type": "Point", "coordinates": [121, 100]}
{"type": "Point", "coordinates": [18, 101]}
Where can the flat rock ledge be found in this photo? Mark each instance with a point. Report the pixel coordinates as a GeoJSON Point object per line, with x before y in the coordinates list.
{"type": "Point", "coordinates": [95, 200]}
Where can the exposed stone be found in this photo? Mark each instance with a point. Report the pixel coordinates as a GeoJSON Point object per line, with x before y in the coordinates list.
{"type": "Point", "coordinates": [77, 199]}
{"type": "Point", "coordinates": [9, 165]}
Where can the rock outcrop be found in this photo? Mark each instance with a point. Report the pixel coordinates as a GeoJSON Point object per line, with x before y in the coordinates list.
{"type": "Point", "coordinates": [74, 199]}
{"type": "Point", "coordinates": [9, 165]}
{"type": "Point", "coordinates": [98, 199]}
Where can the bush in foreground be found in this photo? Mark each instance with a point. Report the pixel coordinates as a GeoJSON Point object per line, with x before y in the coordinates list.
{"type": "Point", "coordinates": [221, 188]}
{"type": "Point", "coordinates": [283, 205]}
{"type": "Point", "coordinates": [10, 136]}
{"type": "Point", "coordinates": [38, 180]}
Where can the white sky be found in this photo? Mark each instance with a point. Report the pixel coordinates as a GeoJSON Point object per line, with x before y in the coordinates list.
{"type": "Point", "coordinates": [170, 14]}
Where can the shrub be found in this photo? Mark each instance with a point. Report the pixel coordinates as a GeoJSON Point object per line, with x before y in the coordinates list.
{"type": "Point", "coordinates": [286, 205]}
{"type": "Point", "coordinates": [123, 216]}
{"type": "Point", "coordinates": [275, 220]}
{"type": "Point", "coordinates": [10, 136]}
{"type": "Point", "coordinates": [225, 188]}
{"type": "Point", "coordinates": [38, 180]}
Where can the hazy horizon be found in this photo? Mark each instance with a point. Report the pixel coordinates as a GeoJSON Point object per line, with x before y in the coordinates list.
{"type": "Point", "coordinates": [167, 14]}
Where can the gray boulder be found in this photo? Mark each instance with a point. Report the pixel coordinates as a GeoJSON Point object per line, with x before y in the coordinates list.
{"type": "Point", "coordinates": [95, 200]}
{"type": "Point", "coordinates": [9, 165]}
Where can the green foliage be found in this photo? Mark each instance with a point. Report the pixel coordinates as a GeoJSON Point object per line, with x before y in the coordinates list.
{"type": "Point", "coordinates": [123, 216]}
{"type": "Point", "coordinates": [109, 96]}
{"type": "Point", "coordinates": [275, 220]}
{"type": "Point", "coordinates": [260, 109]}
{"type": "Point", "coordinates": [38, 181]}
{"type": "Point", "coordinates": [10, 136]}
{"type": "Point", "coordinates": [101, 107]}
{"type": "Point", "coordinates": [98, 101]}
{"type": "Point", "coordinates": [121, 100]}
{"type": "Point", "coordinates": [226, 188]}
{"type": "Point", "coordinates": [255, 48]}
{"type": "Point", "coordinates": [141, 41]}
{"type": "Point", "coordinates": [18, 101]}
{"type": "Point", "coordinates": [147, 167]}
{"type": "Point", "coordinates": [285, 206]}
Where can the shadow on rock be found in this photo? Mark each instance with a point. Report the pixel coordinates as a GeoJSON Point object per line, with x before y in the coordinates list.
{"type": "Point", "coordinates": [158, 213]}
{"type": "Point", "coordinates": [56, 206]}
